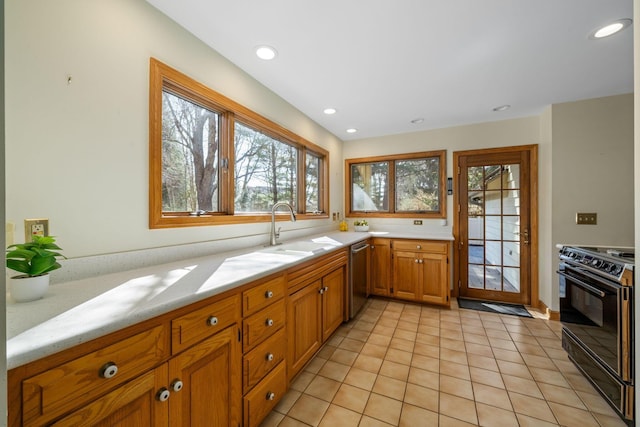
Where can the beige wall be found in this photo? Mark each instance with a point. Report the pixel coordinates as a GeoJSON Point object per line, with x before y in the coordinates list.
{"type": "Point", "coordinates": [597, 179]}
{"type": "Point", "coordinates": [78, 153]}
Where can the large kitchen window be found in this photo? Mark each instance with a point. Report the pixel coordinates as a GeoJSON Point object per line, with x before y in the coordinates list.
{"type": "Point", "coordinates": [212, 161]}
{"type": "Point", "coordinates": [405, 185]}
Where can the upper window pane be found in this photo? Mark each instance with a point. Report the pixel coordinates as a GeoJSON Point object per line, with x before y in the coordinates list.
{"type": "Point", "coordinates": [418, 185]}
{"type": "Point", "coordinates": [370, 186]}
{"type": "Point", "coordinates": [189, 156]}
{"type": "Point", "coordinates": [265, 171]}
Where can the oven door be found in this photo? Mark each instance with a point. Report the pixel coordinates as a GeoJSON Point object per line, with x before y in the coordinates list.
{"type": "Point", "coordinates": [591, 310]}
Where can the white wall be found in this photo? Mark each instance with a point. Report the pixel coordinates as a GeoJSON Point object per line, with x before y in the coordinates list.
{"type": "Point", "coordinates": [78, 153]}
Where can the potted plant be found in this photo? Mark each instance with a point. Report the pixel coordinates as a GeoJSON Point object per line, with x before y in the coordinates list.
{"type": "Point", "coordinates": [34, 260]}
{"type": "Point", "coordinates": [361, 225]}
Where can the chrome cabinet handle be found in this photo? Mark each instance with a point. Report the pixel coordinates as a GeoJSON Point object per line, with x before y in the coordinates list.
{"type": "Point", "coordinates": [271, 395]}
{"type": "Point", "coordinates": [109, 370]}
{"type": "Point", "coordinates": [416, 260]}
{"type": "Point", "coordinates": [269, 322]}
{"type": "Point", "coordinates": [268, 294]}
{"type": "Point", "coordinates": [269, 357]}
{"type": "Point", "coordinates": [212, 321]}
{"type": "Point", "coordinates": [326, 289]}
{"type": "Point", "coordinates": [177, 385]}
{"type": "Point", "coordinates": [321, 291]}
{"type": "Point", "coordinates": [419, 247]}
{"type": "Point", "coordinates": [163, 394]}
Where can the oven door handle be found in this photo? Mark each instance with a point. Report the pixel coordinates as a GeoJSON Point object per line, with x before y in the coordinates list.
{"type": "Point", "coordinates": [583, 285]}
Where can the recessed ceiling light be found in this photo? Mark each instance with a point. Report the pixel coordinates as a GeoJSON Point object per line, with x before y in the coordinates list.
{"type": "Point", "coordinates": [610, 29]}
{"type": "Point", "coordinates": [417, 121]}
{"type": "Point", "coordinates": [266, 52]}
{"type": "Point", "coordinates": [330, 111]}
{"type": "Point", "coordinates": [502, 107]}
{"type": "Point", "coordinates": [352, 130]}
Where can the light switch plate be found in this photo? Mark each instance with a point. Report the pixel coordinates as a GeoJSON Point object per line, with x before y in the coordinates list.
{"type": "Point", "coordinates": [590, 218]}
{"type": "Point", "coordinates": [35, 227]}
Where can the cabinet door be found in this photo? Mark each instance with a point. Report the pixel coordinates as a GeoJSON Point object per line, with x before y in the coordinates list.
{"type": "Point", "coordinates": [380, 263]}
{"type": "Point", "coordinates": [434, 286]}
{"type": "Point", "coordinates": [304, 326]}
{"type": "Point", "coordinates": [333, 298]}
{"type": "Point", "coordinates": [211, 379]}
{"type": "Point", "coordinates": [134, 404]}
{"type": "Point", "coordinates": [405, 275]}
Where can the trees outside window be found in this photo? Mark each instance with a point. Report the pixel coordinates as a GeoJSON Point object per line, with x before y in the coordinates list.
{"type": "Point", "coordinates": [213, 161]}
{"type": "Point", "coordinates": [405, 185]}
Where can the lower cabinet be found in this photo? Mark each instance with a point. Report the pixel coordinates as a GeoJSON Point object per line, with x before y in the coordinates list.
{"type": "Point", "coordinates": [133, 404]}
{"type": "Point", "coordinates": [225, 362]}
{"type": "Point", "coordinates": [421, 271]}
{"type": "Point", "coordinates": [314, 313]}
{"type": "Point", "coordinates": [380, 274]}
{"type": "Point", "coordinates": [199, 387]}
{"type": "Point", "coordinates": [204, 383]}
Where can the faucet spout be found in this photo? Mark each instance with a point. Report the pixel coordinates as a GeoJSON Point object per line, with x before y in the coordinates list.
{"type": "Point", "coordinates": [274, 235]}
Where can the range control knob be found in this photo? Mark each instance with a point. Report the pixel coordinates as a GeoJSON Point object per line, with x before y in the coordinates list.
{"type": "Point", "coordinates": [597, 263]}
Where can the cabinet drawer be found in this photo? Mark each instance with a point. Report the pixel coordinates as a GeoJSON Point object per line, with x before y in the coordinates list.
{"type": "Point", "coordinates": [421, 246]}
{"type": "Point", "coordinates": [261, 400]}
{"type": "Point", "coordinates": [200, 324]}
{"type": "Point", "coordinates": [259, 361]}
{"type": "Point", "coordinates": [262, 295]}
{"type": "Point", "coordinates": [81, 380]}
{"type": "Point", "coordinates": [262, 325]}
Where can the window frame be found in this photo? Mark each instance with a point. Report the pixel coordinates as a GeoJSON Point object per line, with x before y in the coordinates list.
{"type": "Point", "coordinates": [162, 77]}
{"type": "Point", "coordinates": [391, 159]}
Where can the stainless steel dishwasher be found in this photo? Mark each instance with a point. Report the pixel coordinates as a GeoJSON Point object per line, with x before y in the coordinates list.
{"type": "Point", "coordinates": [358, 277]}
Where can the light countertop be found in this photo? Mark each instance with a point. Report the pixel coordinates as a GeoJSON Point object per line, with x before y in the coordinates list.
{"type": "Point", "coordinates": [79, 311]}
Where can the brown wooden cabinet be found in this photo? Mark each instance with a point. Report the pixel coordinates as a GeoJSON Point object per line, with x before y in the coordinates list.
{"type": "Point", "coordinates": [421, 271]}
{"type": "Point", "coordinates": [380, 274]}
{"type": "Point", "coordinates": [264, 360]}
{"type": "Point", "coordinates": [316, 307]}
{"type": "Point", "coordinates": [224, 361]}
{"type": "Point", "coordinates": [204, 382]}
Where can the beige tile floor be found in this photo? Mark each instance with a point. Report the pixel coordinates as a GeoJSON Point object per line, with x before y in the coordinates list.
{"type": "Point", "coordinates": [409, 365]}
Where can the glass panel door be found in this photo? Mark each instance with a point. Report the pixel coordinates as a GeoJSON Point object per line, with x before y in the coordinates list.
{"type": "Point", "coordinates": [494, 227]}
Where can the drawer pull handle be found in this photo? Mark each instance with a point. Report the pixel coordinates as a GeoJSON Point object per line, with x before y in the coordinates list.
{"type": "Point", "coordinates": [419, 247]}
{"type": "Point", "coordinates": [163, 395]}
{"type": "Point", "coordinates": [177, 385]}
{"type": "Point", "coordinates": [212, 321]}
{"type": "Point", "coordinates": [416, 260]}
{"type": "Point", "coordinates": [271, 395]}
{"type": "Point", "coordinates": [109, 370]}
{"type": "Point", "coordinates": [268, 294]}
{"type": "Point", "coordinates": [269, 357]}
{"type": "Point", "coordinates": [269, 322]}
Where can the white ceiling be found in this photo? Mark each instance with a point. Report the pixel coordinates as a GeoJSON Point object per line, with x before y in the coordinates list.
{"type": "Point", "coordinates": [382, 63]}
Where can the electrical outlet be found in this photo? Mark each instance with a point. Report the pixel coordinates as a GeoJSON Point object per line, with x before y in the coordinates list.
{"type": "Point", "coordinates": [587, 218]}
{"type": "Point", "coordinates": [35, 227]}
{"type": "Point", "coordinates": [417, 222]}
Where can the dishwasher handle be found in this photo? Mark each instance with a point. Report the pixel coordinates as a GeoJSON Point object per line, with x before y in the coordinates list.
{"type": "Point", "coordinates": [355, 250]}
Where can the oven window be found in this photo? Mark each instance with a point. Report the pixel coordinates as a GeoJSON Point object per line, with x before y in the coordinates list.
{"type": "Point", "coordinates": [587, 304]}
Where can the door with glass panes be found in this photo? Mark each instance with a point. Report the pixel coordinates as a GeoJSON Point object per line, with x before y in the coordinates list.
{"type": "Point", "coordinates": [494, 231]}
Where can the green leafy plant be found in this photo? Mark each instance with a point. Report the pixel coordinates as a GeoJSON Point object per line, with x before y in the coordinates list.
{"type": "Point", "coordinates": [360, 222]}
{"type": "Point", "coordinates": [36, 257]}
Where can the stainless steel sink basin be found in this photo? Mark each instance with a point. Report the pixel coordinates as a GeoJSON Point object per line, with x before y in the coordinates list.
{"type": "Point", "coordinates": [299, 247]}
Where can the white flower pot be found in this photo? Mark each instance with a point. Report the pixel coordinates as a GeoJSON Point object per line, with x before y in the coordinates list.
{"type": "Point", "coordinates": [24, 288]}
{"type": "Point", "coordinates": [361, 227]}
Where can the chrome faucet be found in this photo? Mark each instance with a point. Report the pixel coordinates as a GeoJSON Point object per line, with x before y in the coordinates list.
{"type": "Point", "coordinates": [276, 234]}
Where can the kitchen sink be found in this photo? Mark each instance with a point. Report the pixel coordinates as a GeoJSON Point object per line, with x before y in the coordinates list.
{"type": "Point", "coordinates": [302, 247]}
